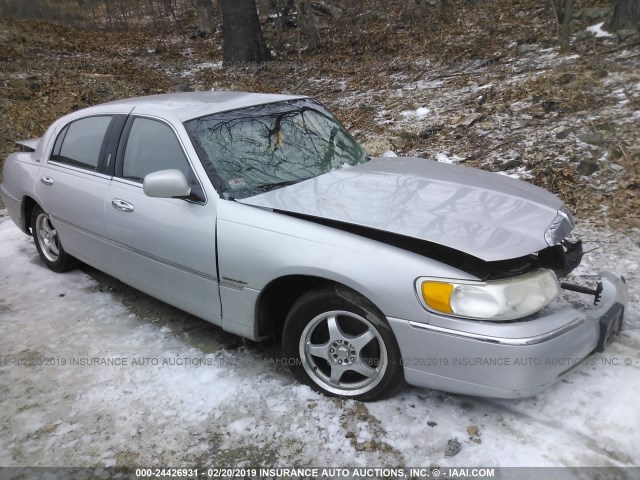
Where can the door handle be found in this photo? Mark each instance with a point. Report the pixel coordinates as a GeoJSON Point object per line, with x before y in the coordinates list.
{"type": "Point", "coordinates": [121, 205]}
{"type": "Point", "coordinates": [47, 180]}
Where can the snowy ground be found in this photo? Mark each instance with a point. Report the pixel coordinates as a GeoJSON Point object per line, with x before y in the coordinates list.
{"type": "Point", "coordinates": [245, 410]}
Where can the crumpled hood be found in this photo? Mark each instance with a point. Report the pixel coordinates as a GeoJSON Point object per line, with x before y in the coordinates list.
{"type": "Point", "coordinates": [489, 216]}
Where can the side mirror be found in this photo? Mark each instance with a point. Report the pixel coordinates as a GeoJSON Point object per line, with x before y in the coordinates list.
{"type": "Point", "coordinates": [166, 184]}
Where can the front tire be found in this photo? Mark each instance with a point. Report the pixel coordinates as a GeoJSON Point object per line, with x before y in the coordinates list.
{"type": "Point", "coordinates": [341, 345]}
{"type": "Point", "coordinates": [48, 244]}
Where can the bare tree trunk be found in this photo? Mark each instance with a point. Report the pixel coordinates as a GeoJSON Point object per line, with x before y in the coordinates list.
{"type": "Point", "coordinates": [170, 8]}
{"type": "Point", "coordinates": [563, 10]}
{"type": "Point", "coordinates": [626, 14]}
{"type": "Point", "coordinates": [423, 7]}
{"type": "Point", "coordinates": [204, 8]}
{"type": "Point", "coordinates": [307, 23]}
{"type": "Point", "coordinates": [565, 37]}
{"type": "Point", "coordinates": [242, 34]}
{"type": "Point", "coordinates": [108, 14]}
{"type": "Point", "coordinates": [446, 10]}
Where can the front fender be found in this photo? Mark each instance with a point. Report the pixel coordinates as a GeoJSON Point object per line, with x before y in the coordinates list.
{"type": "Point", "coordinates": [257, 246]}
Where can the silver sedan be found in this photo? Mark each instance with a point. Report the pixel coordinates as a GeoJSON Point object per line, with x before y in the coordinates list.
{"type": "Point", "coordinates": [261, 214]}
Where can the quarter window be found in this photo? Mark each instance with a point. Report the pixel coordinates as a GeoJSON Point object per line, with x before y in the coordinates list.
{"type": "Point", "coordinates": [80, 142]}
{"type": "Point", "coordinates": [152, 146]}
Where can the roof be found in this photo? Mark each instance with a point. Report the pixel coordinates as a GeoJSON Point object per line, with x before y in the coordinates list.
{"type": "Point", "coordinates": [189, 105]}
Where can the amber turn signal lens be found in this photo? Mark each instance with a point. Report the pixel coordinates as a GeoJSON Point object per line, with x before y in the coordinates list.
{"type": "Point", "coordinates": [438, 296]}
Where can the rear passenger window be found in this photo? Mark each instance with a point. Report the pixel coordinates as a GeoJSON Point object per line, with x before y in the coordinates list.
{"type": "Point", "coordinates": [80, 142]}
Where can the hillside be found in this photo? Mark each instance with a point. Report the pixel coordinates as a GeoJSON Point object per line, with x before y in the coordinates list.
{"type": "Point", "coordinates": [485, 87]}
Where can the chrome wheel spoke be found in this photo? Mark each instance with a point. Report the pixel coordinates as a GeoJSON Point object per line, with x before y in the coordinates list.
{"type": "Point", "coordinates": [362, 340]}
{"type": "Point", "coordinates": [321, 351]}
{"type": "Point", "coordinates": [47, 238]}
{"type": "Point", "coordinates": [334, 329]}
{"type": "Point", "coordinates": [53, 246]}
{"type": "Point", "coordinates": [363, 369]}
{"type": "Point", "coordinates": [336, 374]}
{"type": "Point", "coordinates": [53, 238]}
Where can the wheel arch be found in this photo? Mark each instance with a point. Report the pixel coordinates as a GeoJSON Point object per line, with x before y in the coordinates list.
{"type": "Point", "coordinates": [28, 204]}
{"type": "Point", "coordinates": [279, 296]}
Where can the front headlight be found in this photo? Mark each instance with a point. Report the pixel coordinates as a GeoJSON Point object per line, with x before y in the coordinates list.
{"type": "Point", "coordinates": [494, 300]}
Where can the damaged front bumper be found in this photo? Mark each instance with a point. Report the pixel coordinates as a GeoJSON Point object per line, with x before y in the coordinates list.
{"type": "Point", "coordinates": [508, 359]}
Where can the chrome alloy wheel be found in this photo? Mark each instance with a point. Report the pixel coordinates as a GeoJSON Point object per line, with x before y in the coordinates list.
{"type": "Point", "coordinates": [47, 237]}
{"type": "Point", "coordinates": [343, 353]}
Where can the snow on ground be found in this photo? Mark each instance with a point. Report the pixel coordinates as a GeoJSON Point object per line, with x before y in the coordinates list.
{"type": "Point", "coordinates": [598, 32]}
{"type": "Point", "coordinates": [236, 407]}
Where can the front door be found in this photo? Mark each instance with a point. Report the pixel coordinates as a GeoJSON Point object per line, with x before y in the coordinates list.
{"type": "Point", "coordinates": [163, 246]}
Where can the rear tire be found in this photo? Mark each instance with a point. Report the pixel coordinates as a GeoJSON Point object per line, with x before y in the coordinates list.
{"type": "Point", "coordinates": [48, 244]}
{"type": "Point", "coordinates": [341, 345]}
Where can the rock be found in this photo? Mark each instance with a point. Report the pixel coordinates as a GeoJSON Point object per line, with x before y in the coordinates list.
{"type": "Point", "coordinates": [325, 9]}
{"type": "Point", "coordinates": [369, 445]}
{"type": "Point", "coordinates": [591, 138]}
{"type": "Point", "coordinates": [527, 48]}
{"type": "Point", "coordinates": [482, 80]}
{"type": "Point", "coordinates": [566, 78]}
{"type": "Point", "coordinates": [405, 135]}
{"type": "Point", "coordinates": [360, 447]}
{"type": "Point", "coordinates": [377, 146]}
{"type": "Point", "coordinates": [33, 83]}
{"type": "Point", "coordinates": [486, 125]}
{"type": "Point", "coordinates": [398, 142]}
{"type": "Point", "coordinates": [588, 166]}
{"type": "Point", "coordinates": [431, 423]}
{"type": "Point", "coordinates": [160, 48]}
{"type": "Point", "coordinates": [182, 87]}
{"type": "Point", "coordinates": [583, 35]}
{"type": "Point", "coordinates": [600, 73]}
{"type": "Point", "coordinates": [472, 430]}
{"type": "Point", "coordinates": [471, 119]}
{"type": "Point", "coordinates": [350, 435]}
{"type": "Point", "coordinates": [510, 165]}
{"type": "Point", "coordinates": [427, 132]}
{"type": "Point", "coordinates": [627, 34]}
{"type": "Point", "coordinates": [593, 13]}
{"type": "Point", "coordinates": [550, 106]}
{"type": "Point", "coordinates": [616, 168]}
{"type": "Point", "coordinates": [563, 132]}
{"type": "Point", "coordinates": [453, 448]}
{"type": "Point", "coordinates": [457, 120]}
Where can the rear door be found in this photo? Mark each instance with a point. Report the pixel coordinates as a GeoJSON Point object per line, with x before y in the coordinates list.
{"type": "Point", "coordinates": [163, 246]}
{"type": "Point", "coordinates": [73, 182]}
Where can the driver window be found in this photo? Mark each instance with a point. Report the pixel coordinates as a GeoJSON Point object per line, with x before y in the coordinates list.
{"type": "Point", "coordinates": [152, 146]}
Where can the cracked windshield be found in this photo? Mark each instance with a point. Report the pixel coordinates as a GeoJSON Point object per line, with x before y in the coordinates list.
{"type": "Point", "coordinates": [254, 150]}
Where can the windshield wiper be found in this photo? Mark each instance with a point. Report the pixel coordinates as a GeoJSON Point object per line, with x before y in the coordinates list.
{"type": "Point", "coordinates": [272, 186]}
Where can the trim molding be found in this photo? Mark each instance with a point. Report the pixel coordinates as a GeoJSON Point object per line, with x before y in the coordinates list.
{"type": "Point", "coordinates": [140, 252]}
{"type": "Point", "coordinates": [501, 340]}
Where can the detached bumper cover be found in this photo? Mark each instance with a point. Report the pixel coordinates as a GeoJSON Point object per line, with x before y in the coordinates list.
{"type": "Point", "coordinates": [510, 359]}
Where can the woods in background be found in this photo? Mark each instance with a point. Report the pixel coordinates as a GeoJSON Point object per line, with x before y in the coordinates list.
{"type": "Point", "coordinates": [242, 32]}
